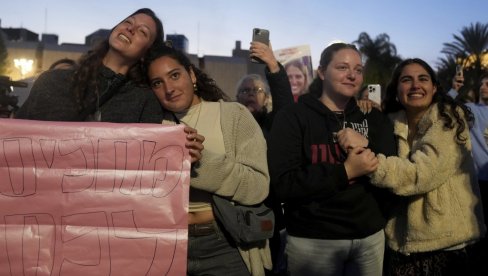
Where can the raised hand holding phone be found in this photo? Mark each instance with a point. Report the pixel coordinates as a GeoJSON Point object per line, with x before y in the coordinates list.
{"type": "Point", "coordinates": [259, 35]}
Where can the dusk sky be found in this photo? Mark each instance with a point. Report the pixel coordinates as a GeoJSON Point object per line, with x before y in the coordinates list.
{"type": "Point", "coordinates": [418, 28]}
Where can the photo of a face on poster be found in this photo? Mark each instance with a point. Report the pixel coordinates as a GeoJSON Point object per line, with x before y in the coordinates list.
{"type": "Point", "coordinates": [298, 65]}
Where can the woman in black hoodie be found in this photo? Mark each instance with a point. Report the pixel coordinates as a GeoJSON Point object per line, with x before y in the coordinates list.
{"type": "Point", "coordinates": [320, 151]}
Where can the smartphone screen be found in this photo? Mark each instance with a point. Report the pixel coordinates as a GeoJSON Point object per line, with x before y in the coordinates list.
{"type": "Point", "coordinates": [260, 35]}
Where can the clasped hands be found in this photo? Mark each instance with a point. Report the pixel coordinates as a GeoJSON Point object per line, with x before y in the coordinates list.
{"type": "Point", "coordinates": [360, 160]}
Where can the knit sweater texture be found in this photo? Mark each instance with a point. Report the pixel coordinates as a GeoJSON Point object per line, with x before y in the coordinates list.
{"type": "Point", "coordinates": [241, 174]}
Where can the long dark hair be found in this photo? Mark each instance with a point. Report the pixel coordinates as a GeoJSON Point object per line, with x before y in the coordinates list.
{"type": "Point", "coordinates": [86, 74]}
{"type": "Point", "coordinates": [207, 88]}
{"type": "Point", "coordinates": [452, 112]}
{"type": "Point", "coordinates": [326, 57]}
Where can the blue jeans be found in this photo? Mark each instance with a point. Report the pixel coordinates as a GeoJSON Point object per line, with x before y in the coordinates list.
{"type": "Point", "coordinates": [336, 257]}
{"type": "Point", "coordinates": [214, 254]}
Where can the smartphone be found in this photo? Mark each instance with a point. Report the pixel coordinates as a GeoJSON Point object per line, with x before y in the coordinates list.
{"type": "Point", "coordinates": [459, 70]}
{"type": "Point", "coordinates": [374, 93]}
{"type": "Point", "coordinates": [260, 35]}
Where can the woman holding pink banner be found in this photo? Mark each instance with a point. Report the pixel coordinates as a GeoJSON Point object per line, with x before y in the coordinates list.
{"type": "Point", "coordinates": [107, 85]}
{"type": "Point", "coordinates": [233, 163]}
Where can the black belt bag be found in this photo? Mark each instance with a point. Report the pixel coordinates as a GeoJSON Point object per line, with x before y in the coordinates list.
{"type": "Point", "coordinates": [246, 224]}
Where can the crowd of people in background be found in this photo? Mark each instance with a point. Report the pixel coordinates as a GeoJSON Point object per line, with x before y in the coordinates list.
{"type": "Point", "coordinates": [397, 189]}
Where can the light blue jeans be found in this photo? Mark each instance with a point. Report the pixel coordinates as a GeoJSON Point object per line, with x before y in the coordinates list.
{"type": "Point", "coordinates": [336, 257]}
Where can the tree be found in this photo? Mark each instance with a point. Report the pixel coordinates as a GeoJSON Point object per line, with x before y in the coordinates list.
{"type": "Point", "coordinates": [3, 56]}
{"type": "Point", "coordinates": [467, 50]}
{"type": "Point", "coordinates": [381, 58]}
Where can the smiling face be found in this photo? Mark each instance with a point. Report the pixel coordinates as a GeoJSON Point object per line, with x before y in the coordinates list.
{"type": "Point", "coordinates": [296, 78]}
{"type": "Point", "coordinates": [132, 37]}
{"type": "Point", "coordinates": [173, 84]}
{"type": "Point", "coordinates": [343, 76]}
{"type": "Point", "coordinates": [415, 88]}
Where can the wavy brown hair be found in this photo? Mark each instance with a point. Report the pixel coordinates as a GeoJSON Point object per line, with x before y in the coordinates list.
{"type": "Point", "coordinates": [207, 88]}
{"type": "Point", "coordinates": [452, 112]}
{"type": "Point", "coordinates": [85, 76]}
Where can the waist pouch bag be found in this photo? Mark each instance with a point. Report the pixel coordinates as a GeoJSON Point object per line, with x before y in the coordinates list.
{"type": "Point", "coordinates": [245, 223]}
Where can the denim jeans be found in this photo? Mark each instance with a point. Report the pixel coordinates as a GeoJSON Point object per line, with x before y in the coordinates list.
{"type": "Point", "coordinates": [214, 254]}
{"type": "Point", "coordinates": [336, 257]}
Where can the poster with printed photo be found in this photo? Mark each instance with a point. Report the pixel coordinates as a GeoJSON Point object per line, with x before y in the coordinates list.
{"type": "Point", "coordinates": [298, 65]}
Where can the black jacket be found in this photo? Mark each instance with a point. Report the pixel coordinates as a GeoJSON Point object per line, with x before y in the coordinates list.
{"type": "Point", "coordinates": [281, 95]}
{"type": "Point", "coordinates": [308, 174]}
{"type": "Point", "coordinates": [51, 99]}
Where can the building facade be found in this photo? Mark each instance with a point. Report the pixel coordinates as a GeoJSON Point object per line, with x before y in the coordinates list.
{"type": "Point", "coordinates": [28, 57]}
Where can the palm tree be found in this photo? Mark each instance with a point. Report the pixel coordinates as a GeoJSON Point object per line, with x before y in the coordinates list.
{"type": "Point", "coordinates": [468, 50]}
{"type": "Point", "coordinates": [446, 68]}
{"type": "Point", "coordinates": [381, 58]}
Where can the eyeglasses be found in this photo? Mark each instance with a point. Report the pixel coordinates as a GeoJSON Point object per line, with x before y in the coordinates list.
{"type": "Point", "coordinates": [251, 91]}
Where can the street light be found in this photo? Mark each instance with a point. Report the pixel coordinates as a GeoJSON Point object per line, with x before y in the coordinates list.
{"type": "Point", "coordinates": [24, 65]}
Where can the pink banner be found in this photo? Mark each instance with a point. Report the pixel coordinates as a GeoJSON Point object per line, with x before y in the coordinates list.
{"type": "Point", "coordinates": [93, 199]}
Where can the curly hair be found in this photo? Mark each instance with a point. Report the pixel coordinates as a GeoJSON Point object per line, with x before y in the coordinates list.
{"type": "Point", "coordinates": [452, 112]}
{"type": "Point", "coordinates": [85, 76]}
{"type": "Point", "coordinates": [207, 88]}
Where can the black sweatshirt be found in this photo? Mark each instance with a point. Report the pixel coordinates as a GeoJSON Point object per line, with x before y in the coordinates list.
{"type": "Point", "coordinates": [308, 175]}
{"type": "Point", "coordinates": [281, 94]}
{"type": "Point", "coordinates": [51, 99]}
